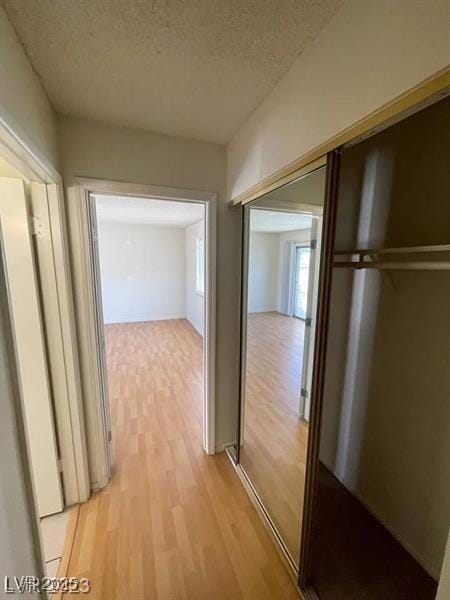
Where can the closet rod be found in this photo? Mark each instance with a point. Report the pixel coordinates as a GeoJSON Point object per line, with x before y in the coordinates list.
{"type": "Point", "coordinates": [404, 250]}
{"type": "Point", "coordinates": [416, 266]}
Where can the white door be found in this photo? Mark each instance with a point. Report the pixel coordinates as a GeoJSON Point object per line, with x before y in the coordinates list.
{"type": "Point", "coordinates": [311, 317]}
{"type": "Point", "coordinates": [29, 343]}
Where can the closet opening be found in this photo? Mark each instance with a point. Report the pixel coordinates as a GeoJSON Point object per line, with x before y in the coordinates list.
{"type": "Point", "coordinates": [382, 500]}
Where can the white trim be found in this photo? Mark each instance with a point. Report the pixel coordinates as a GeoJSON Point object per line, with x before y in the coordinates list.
{"type": "Point", "coordinates": [89, 346]}
{"type": "Point", "coordinates": [145, 319]}
{"type": "Point", "coordinates": [17, 149]}
{"type": "Point", "coordinates": [297, 244]}
{"type": "Point", "coordinates": [87, 299]}
{"type": "Point", "coordinates": [29, 343]}
{"type": "Point", "coordinates": [61, 348]}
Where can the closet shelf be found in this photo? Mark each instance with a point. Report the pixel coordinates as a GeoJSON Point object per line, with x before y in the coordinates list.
{"type": "Point", "coordinates": [368, 258]}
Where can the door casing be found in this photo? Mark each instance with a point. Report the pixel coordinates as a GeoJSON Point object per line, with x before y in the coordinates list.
{"type": "Point", "coordinates": [59, 324]}
{"type": "Point", "coordinates": [29, 344]}
{"type": "Point", "coordinates": [88, 301]}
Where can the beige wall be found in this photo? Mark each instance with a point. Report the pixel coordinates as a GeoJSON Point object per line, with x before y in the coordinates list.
{"type": "Point", "coordinates": [92, 149]}
{"type": "Point", "coordinates": [370, 53]}
{"type": "Point", "coordinates": [23, 103]}
{"type": "Point", "coordinates": [24, 108]}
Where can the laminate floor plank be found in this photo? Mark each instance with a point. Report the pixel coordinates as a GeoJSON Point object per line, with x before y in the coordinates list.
{"type": "Point", "coordinates": [174, 523]}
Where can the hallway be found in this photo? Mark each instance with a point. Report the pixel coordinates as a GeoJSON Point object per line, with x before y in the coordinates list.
{"type": "Point", "coordinates": [174, 522]}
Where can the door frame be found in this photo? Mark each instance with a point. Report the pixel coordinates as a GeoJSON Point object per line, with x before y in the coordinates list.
{"type": "Point", "coordinates": [294, 279]}
{"type": "Point", "coordinates": [310, 326]}
{"type": "Point", "coordinates": [57, 304]}
{"type": "Point", "coordinates": [32, 353]}
{"type": "Point", "coordinates": [318, 368]}
{"type": "Point", "coordinates": [88, 301]}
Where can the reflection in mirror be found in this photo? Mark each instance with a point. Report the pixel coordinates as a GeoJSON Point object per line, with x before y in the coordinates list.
{"type": "Point", "coordinates": [281, 269]}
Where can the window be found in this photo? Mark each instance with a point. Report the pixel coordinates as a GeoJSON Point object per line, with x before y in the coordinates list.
{"type": "Point", "coordinates": [200, 267]}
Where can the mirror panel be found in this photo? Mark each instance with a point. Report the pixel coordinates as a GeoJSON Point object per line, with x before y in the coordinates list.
{"type": "Point", "coordinates": [281, 270]}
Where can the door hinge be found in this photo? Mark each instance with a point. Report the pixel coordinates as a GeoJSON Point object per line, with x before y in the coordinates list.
{"type": "Point", "coordinates": [109, 435]}
{"type": "Point", "coordinates": [94, 234]}
{"type": "Point", "coordinates": [60, 465]}
{"type": "Point", "coordinates": [304, 393]}
{"type": "Point", "coordinates": [308, 322]}
{"type": "Point", "coordinates": [313, 245]}
{"type": "Point", "coordinates": [36, 226]}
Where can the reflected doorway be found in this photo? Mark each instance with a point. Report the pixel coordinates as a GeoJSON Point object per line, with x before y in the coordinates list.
{"type": "Point", "coordinates": [282, 235]}
{"type": "Point", "coordinates": [302, 260]}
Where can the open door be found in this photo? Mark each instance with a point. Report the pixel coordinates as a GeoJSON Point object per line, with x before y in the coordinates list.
{"type": "Point", "coordinates": [23, 292]}
{"type": "Point", "coordinates": [100, 329]}
{"type": "Point", "coordinates": [310, 320]}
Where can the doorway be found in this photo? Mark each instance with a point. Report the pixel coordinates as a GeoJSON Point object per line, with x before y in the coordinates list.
{"type": "Point", "coordinates": [133, 302]}
{"type": "Point", "coordinates": [150, 274]}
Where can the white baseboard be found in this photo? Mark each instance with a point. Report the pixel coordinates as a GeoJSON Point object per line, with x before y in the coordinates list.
{"type": "Point", "coordinates": [143, 319]}
{"type": "Point", "coordinates": [195, 327]}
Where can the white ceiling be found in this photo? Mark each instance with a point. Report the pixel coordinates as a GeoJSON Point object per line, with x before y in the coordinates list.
{"type": "Point", "coordinates": [147, 211]}
{"type": "Point", "coordinates": [193, 68]}
{"type": "Point", "coordinates": [267, 221]}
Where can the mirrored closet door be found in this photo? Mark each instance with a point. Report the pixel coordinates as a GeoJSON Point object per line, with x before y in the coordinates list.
{"type": "Point", "coordinates": [282, 242]}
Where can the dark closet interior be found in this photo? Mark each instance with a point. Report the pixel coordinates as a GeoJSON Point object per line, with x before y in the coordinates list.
{"type": "Point", "coordinates": [382, 503]}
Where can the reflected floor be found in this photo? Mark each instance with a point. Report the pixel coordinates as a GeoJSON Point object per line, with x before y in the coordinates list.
{"type": "Point", "coordinates": [275, 437]}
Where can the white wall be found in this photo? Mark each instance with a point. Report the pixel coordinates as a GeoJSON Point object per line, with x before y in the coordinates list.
{"type": "Point", "coordinates": [263, 271]}
{"type": "Point", "coordinates": [143, 272]}
{"type": "Point", "coordinates": [103, 151]}
{"type": "Point", "coordinates": [195, 303]}
{"type": "Point", "coordinates": [369, 54]}
{"type": "Point", "coordinates": [24, 105]}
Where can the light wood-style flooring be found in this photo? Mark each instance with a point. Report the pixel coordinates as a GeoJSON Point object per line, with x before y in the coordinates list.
{"type": "Point", "coordinates": [174, 523]}
{"type": "Point", "coordinates": [275, 438]}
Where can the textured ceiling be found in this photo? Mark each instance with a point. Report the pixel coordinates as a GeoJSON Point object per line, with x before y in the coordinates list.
{"type": "Point", "coordinates": [267, 221]}
{"type": "Point", "coordinates": [147, 211]}
{"type": "Point", "coordinates": [194, 68]}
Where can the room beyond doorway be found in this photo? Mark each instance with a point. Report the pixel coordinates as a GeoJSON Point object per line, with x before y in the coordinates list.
{"type": "Point", "coordinates": [152, 284]}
